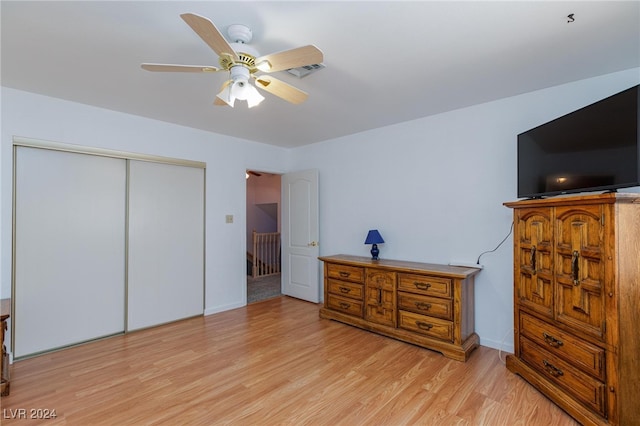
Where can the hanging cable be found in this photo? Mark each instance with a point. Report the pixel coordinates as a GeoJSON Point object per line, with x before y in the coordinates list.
{"type": "Point", "coordinates": [497, 247]}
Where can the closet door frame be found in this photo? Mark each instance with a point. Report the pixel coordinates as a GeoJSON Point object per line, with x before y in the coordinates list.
{"type": "Point", "coordinates": [19, 142]}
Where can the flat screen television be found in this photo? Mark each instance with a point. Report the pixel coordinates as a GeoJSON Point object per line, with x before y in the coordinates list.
{"type": "Point", "coordinates": [596, 148]}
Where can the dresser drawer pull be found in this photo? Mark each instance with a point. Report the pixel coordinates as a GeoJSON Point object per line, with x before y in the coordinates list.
{"type": "Point", "coordinates": [552, 369]}
{"type": "Point", "coordinates": [344, 274]}
{"type": "Point", "coordinates": [424, 325]}
{"type": "Point", "coordinates": [552, 341]}
{"type": "Point", "coordinates": [345, 305]}
{"type": "Point", "coordinates": [344, 290]}
{"type": "Point", "coordinates": [422, 286]}
{"type": "Point", "coordinates": [424, 306]}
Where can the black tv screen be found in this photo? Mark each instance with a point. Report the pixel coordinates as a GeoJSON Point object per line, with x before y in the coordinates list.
{"type": "Point", "coordinates": [595, 148]}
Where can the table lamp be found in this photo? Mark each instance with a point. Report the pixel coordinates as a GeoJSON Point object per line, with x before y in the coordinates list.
{"type": "Point", "coordinates": [374, 237]}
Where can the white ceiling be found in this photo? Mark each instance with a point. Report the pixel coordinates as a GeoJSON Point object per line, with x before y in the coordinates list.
{"type": "Point", "coordinates": [386, 62]}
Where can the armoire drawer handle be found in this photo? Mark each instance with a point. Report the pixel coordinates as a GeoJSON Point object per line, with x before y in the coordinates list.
{"type": "Point", "coordinates": [344, 290]}
{"type": "Point", "coordinates": [424, 325]}
{"type": "Point", "coordinates": [344, 274]}
{"type": "Point", "coordinates": [345, 305]}
{"type": "Point", "coordinates": [421, 285]}
{"type": "Point", "coordinates": [552, 341]}
{"type": "Point", "coordinates": [424, 306]}
{"type": "Point", "coordinates": [552, 369]}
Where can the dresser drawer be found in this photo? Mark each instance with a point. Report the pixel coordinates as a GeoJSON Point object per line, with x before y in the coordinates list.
{"type": "Point", "coordinates": [425, 284]}
{"type": "Point", "coordinates": [587, 357]}
{"type": "Point", "coordinates": [426, 325]}
{"type": "Point", "coordinates": [346, 289]}
{"type": "Point", "coordinates": [345, 305]}
{"type": "Point", "coordinates": [582, 386]}
{"type": "Point", "coordinates": [345, 272]}
{"type": "Point", "coordinates": [432, 306]}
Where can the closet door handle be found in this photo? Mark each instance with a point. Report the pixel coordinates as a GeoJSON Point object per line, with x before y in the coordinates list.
{"type": "Point", "coordinates": [575, 267]}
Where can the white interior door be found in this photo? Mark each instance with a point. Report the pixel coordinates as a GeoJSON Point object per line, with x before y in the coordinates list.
{"type": "Point", "coordinates": [166, 243]}
{"type": "Point", "coordinates": [69, 248]}
{"type": "Point", "coordinates": [300, 232]}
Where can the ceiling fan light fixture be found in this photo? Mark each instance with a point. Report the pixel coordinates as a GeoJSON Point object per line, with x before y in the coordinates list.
{"type": "Point", "coordinates": [244, 91]}
{"type": "Point", "coordinates": [240, 88]}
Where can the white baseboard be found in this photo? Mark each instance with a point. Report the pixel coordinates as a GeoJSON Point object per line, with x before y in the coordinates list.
{"type": "Point", "coordinates": [217, 309]}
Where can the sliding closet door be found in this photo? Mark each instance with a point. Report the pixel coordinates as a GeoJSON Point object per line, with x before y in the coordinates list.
{"type": "Point", "coordinates": [69, 248]}
{"type": "Point", "coordinates": [166, 243]}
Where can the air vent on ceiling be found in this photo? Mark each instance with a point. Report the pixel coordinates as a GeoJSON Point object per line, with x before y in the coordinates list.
{"type": "Point", "coordinates": [305, 70]}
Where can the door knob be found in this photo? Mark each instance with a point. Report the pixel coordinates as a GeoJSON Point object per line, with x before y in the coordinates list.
{"type": "Point", "coordinates": [312, 244]}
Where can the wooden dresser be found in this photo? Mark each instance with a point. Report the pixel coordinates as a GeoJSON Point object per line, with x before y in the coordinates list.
{"type": "Point", "coordinates": [577, 303]}
{"type": "Point", "coordinates": [5, 311]}
{"type": "Point", "coordinates": [424, 304]}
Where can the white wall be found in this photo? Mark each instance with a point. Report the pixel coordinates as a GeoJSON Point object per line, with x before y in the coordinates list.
{"type": "Point", "coordinates": [434, 188]}
{"type": "Point", "coordinates": [39, 117]}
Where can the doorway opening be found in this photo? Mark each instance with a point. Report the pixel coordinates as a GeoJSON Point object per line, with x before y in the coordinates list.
{"type": "Point", "coordinates": [264, 278]}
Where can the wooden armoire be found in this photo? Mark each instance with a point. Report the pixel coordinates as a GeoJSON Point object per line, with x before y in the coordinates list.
{"type": "Point", "coordinates": [577, 303]}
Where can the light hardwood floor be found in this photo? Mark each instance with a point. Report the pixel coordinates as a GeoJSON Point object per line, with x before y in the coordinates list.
{"type": "Point", "coordinates": [270, 363]}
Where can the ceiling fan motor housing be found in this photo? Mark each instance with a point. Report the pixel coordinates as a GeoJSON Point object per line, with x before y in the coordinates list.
{"type": "Point", "coordinates": [239, 33]}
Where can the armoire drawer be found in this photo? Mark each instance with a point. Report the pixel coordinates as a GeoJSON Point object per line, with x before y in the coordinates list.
{"type": "Point", "coordinates": [345, 305]}
{"type": "Point", "coordinates": [580, 353]}
{"type": "Point", "coordinates": [582, 386]}
{"type": "Point", "coordinates": [429, 326]}
{"type": "Point", "coordinates": [346, 289]}
{"type": "Point", "coordinates": [425, 284]}
{"type": "Point", "coordinates": [432, 306]}
{"type": "Point", "coordinates": [345, 272]}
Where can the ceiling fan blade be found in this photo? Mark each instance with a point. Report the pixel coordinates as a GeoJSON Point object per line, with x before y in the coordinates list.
{"type": "Point", "coordinates": [178, 68]}
{"type": "Point", "coordinates": [209, 33]}
{"type": "Point", "coordinates": [292, 58]}
{"type": "Point", "coordinates": [281, 89]}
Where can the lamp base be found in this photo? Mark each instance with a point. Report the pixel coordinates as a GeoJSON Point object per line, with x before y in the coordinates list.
{"type": "Point", "coordinates": [374, 252]}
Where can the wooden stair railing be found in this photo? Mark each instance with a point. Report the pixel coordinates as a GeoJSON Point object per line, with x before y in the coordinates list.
{"type": "Point", "coordinates": [266, 254]}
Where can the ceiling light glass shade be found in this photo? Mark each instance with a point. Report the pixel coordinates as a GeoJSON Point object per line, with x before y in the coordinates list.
{"type": "Point", "coordinates": [240, 88]}
{"type": "Point", "coordinates": [253, 96]}
{"type": "Point", "coordinates": [225, 96]}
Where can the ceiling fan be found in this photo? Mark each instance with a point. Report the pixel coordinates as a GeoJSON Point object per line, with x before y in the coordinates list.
{"type": "Point", "coordinates": [243, 62]}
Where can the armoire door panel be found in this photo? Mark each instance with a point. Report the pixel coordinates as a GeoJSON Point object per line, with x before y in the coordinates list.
{"type": "Point", "coordinates": [580, 268]}
{"type": "Point", "coordinates": [534, 285]}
